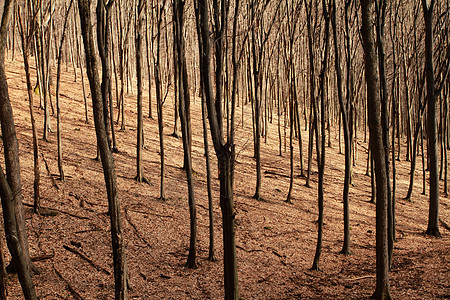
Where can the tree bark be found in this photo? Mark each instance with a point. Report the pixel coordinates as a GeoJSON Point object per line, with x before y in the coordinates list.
{"type": "Point", "coordinates": [139, 67]}
{"type": "Point", "coordinates": [321, 151]}
{"type": "Point", "coordinates": [224, 151]}
{"type": "Point", "coordinates": [432, 150]}
{"type": "Point", "coordinates": [184, 108]}
{"type": "Point", "coordinates": [58, 108]}
{"type": "Point", "coordinates": [10, 183]}
{"type": "Point", "coordinates": [382, 290]}
{"type": "Point", "coordinates": [118, 246]}
{"type": "Point", "coordinates": [346, 246]}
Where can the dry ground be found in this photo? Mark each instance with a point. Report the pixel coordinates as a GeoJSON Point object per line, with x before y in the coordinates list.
{"type": "Point", "coordinates": [276, 241]}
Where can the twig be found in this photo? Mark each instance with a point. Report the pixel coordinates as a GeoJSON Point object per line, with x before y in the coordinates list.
{"type": "Point", "coordinates": [275, 173]}
{"type": "Point", "coordinates": [248, 251]}
{"type": "Point", "coordinates": [135, 229]}
{"type": "Point", "coordinates": [95, 204]}
{"type": "Point", "coordinates": [42, 257]}
{"type": "Point", "coordinates": [97, 267]}
{"type": "Point", "coordinates": [48, 171]}
{"type": "Point", "coordinates": [446, 226]}
{"type": "Point", "coordinates": [312, 275]}
{"type": "Point", "coordinates": [266, 278]}
{"type": "Point", "coordinates": [88, 230]}
{"type": "Point", "coordinates": [148, 213]}
{"type": "Point", "coordinates": [74, 293]}
{"type": "Point", "coordinates": [359, 278]}
{"type": "Point", "coordinates": [59, 210]}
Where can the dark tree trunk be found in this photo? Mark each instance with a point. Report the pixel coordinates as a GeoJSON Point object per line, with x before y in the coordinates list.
{"type": "Point", "coordinates": [147, 43]}
{"type": "Point", "coordinates": [312, 88]}
{"type": "Point", "coordinates": [346, 247]}
{"type": "Point", "coordinates": [139, 67]}
{"type": "Point", "coordinates": [58, 108]}
{"type": "Point", "coordinates": [103, 40]}
{"type": "Point", "coordinates": [184, 102]}
{"type": "Point", "coordinates": [321, 152]}
{"type": "Point", "coordinates": [118, 246]}
{"type": "Point", "coordinates": [10, 183]}
{"type": "Point", "coordinates": [3, 274]}
{"type": "Point", "coordinates": [257, 105]}
{"type": "Point", "coordinates": [25, 48]}
{"type": "Point", "coordinates": [382, 290]}
{"type": "Point", "coordinates": [224, 151]}
{"type": "Point", "coordinates": [381, 13]}
{"type": "Point", "coordinates": [432, 151]}
{"type": "Point", "coordinates": [159, 100]}
{"type": "Point", "coordinates": [211, 255]}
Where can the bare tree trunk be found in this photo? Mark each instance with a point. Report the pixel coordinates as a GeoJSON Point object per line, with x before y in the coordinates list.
{"type": "Point", "coordinates": [211, 255]}
{"type": "Point", "coordinates": [381, 13]}
{"type": "Point", "coordinates": [10, 183]}
{"type": "Point", "coordinates": [433, 217]}
{"type": "Point", "coordinates": [103, 12]}
{"type": "Point", "coordinates": [224, 151]}
{"type": "Point", "coordinates": [321, 152]}
{"type": "Point", "coordinates": [140, 124]}
{"type": "Point", "coordinates": [147, 46]}
{"type": "Point", "coordinates": [58, 108]}
{"type": "Point", "coordinates": [118, 246]}
{"type": "Point", "coordinates": [25, 36]}
{"type": "Point", "coordinates": [182, 83]}
{"type": "Point", "coordinates": [346, 246]}
{"type": "Point", "coordinates": [81, 70]}
{"type": "Point", "coordinates": [382, 290]}
{"type": "Point", "coordinates": [159, 100]}
{"type": "Point", "coordinates": [3, 274]}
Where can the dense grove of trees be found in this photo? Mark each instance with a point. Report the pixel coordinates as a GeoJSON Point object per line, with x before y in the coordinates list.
{"type": "Point", "coordinates": [361, 67]}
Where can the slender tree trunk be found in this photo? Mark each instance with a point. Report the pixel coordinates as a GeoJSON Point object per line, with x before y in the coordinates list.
{"type": "Point", "coordinates": [433, 217]}
{"type": "Point", "coordinates": [321, 152]}
{"type": "Point", "coordinates": [3, 274]}
{"type": "Point", "coordinates": [25, 48]}
{"type": "Point", "coordinates": [346, 247]}
{"type": "Point", "coordinates": [10, 183]}
{"type": "Point", "coordinates": [159, 100]}
{"type": "Point", "coordinates": [224, 151]}
{"type": "Point", "coordinates": [118, 245]}
{"type": "Point", "coordinates": [139, 67]}
{"type": "Point", "coordinates": [211, 255]}
{"type": "Point", "coordinates": [381, 13]}
{"type": "Point", "coordinates": [147, 44]}
{"type": "Point", "coordinates": [382, 290]}
{"type": "Point", "coordinates": [81, 71]}
{"type": "Point", "coordinates": [58, 108]}
{"type": "Point", "coordinates": [291, 146]}
{"type": "Point", "coordinates": [103, 40]}
{"type": "Point", "coordinates": [184, 102]}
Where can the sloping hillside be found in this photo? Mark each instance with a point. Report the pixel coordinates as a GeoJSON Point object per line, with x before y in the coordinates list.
{"type": "Point", "coordinates": [275, 240]}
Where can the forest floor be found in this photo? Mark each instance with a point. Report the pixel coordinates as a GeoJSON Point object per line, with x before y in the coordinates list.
{"type": "Point", "coordinates": [275, 240]}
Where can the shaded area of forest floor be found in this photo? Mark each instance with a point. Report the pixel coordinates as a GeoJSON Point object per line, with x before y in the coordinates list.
{"type": "Point", "coordinates": [275, 240]}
